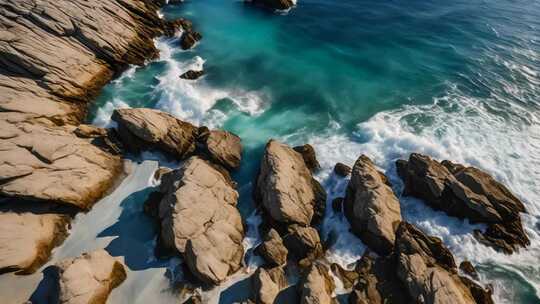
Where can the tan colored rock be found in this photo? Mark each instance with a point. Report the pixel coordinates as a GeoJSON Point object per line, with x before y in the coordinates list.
{"type": "Point", "coordinates": [26, 239]}
{"type": "Point", "coordinates": [199, 219]}
{"type": "Point", "coordinates": [371, 207]}
{"type": "Point", "coordinates": [144, 129]}
{"type": "Point", "coordinates": [90, 278]}
{"type": "Point", "coordinates": [222, 147]}
{"type": "Point", "coordinates": [50, 163]}
{"type": "Point", "coordinates": [267, 284]}
{"type": "Point", "coordinates": [428, 270]}
{"type": "Point", "coordinates": [272, 249]}
{"type": "Point", "coordinates": [467, 192]}
{"type": "Point", "coordinates": [317, 286]}
{"type": "Point", "coordinates": [303, 243]}
{"type": "Point", "coordinates": [286, 188]}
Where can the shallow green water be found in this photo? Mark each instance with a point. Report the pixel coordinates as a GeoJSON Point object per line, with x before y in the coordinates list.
{"type": "Point", "coordinates": [457, 80]}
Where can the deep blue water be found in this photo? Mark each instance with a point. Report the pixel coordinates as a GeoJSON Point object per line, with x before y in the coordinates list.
{"type": "Point", "coordinates": [454, 79]}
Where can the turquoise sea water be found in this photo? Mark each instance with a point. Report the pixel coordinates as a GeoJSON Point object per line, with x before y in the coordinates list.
{"type": "Point", "coordinates": [458, 80]}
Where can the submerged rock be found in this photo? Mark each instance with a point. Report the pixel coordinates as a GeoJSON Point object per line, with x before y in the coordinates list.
{"type": "Point", "coordinates": [200, 221]}
{"type": "Point", "coordinates": [371, 207]}
{"type": "Point", "coordinates": [192, 75]}
{"type": "Point", "coordinates": [26, 239]}
{"type": "Point", "coordinates": [317, 286]}
{"type": "Point", "coordinates": [221, 147]}
{"type": "Point", "coordinates": [90, 278]}
{"type": "Point", "coordinates": [143, 129]}
{"type": "Point", "coordinates": [285, 187]}
{"type": "Point", "coordinates": [467, 192]}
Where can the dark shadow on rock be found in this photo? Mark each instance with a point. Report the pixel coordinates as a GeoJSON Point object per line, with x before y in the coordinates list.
{"type": "Point", "coordinates": [48, 290]}
{"type": "Point", "coordinates": [288, 295]}
{"type": "Point", "coordinates": [135, 233]}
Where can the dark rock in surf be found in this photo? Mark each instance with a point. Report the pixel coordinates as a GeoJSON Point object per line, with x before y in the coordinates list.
{"type": "Point", "coordinates": [275, 4]}
{"type": "Point", "coordinates": [342, 170]}
{"type": "Point", "coordinates": [337, 204]}
{"type": "Point", "coordinates": [192, 75]}
{"type": "Point", "coordinates": [467, 268]}
{"type": "Point", "coordinates": [310, 157]}
{"type": "Point", "coordinates": [467, 192]}
{"type": "Point", "coordinates": [189, 38]}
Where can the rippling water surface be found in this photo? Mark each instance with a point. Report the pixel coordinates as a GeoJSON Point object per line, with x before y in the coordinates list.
{"type": "Point", "coordinates": [457, 80]}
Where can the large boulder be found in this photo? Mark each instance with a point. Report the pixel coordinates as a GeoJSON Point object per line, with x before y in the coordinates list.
{"type": "Point", "coordinates": [49, 163]}
{"type": "Point", "coordinates": [303, 244]}
{"type": "Point", "coordinates": [143, 129]}
{"type": "Point", "coordinates": [275, 4]}
{"type": "Point", "coordinates": [467, 192]}
{"type": "Point", "coordinates": [199, 219]}
{"type": "Point", "coordinates": [26, 239]}
{"type": "Point", "coordinates": [309, 155]}
{"type": "Point", "coordinates": [317, 286]}
{"type": "Point", "coordinates": [377, 282]}
{"type": "Point", "coordinates": [267, 283]}
{"type": "Point", "coordinates": [372, 207]}
{"type": "Point", "coordinates": [272, 249]}
{"type": "Point", "coordinates": [285, 187]}
{"type": "Point", "coordinates": [221, 147]}
{"type": "Point", "coordinates": [428, 270]}
{"type": "Point", "coordinates": [90, 278]}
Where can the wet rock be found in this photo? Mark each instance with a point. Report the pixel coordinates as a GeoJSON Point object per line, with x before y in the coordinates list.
{"type": "Point", "coordinates": [317, 286]}
{"type": "Point", "coordinates": [342, 170]}
{"type": "Point", "coordinates": [347, 277]}
{"type": "Point", "coordinates": [285, 187]}
{"type": "Point", "coordinates": [27, 239]}
{"type": "Point", "coordinates": [267, 283]}
{"type": "Point", "coordinates": [221, 147]}
{"type": "Point", "coordinates": [377, 282]}
{"type": "Point", "coordinates": [189, 38]}
{"type": "Point", "coordinates": [200, 221]}
{"type": "Point", "coordinates": [428, 270]}
{"type": "Point", "coordinates": [89, 278]}
{"type": "Point", "coordinates": [272, 249]}
{"type": "Point", "coordinates": [371, 207]}
{"type": "Point", "coordinates": [143, 129]}
{"type": "Point", "coordinates": [303, 243]}
{"type": "Point", "coordinates": [160, 172]}
{"type": "Point", "coordinates": [467, 192]}
{"type": "Point", "coordinates": [467, 268]}
{"type": "Point", "coordinates": [275, 4]}
{"type": "Point", "coordinates": [192, 75]}
{"type": "Point", "coordinates": [309, 156]}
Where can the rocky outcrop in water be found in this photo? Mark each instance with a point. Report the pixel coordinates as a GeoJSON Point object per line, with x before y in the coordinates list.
{"type": "Point", "coordinates": [310, 157]}
{"type": "Point", "coordinates": [147, 129]}
{"type": "Point", "coordinates": [275, 4]}
{"type": "Point", "coordinates": [90, 278]}
{"type": "Point", "coordinates": [285, 187]}
{"type": "Point", "coordinates": [371, 207]}
{"type": "Point", "coordinates": [200, 221]}
{"type": "Point", "coordinates": [189, 35]}
{"type": "Point", "coordinates": [192, 75]}
{"type": "Point", "coordinates": [56, 55]}
{"type": "Point", "coordinates": [221, 147]}
{"type": "Point", "coordinates": [467, 192]}
{"type": "Point", "coordinates": [342, 170]}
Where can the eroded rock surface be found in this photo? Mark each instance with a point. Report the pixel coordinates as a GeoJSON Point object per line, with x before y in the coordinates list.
{"type": "Point", "coordinates": [286, 188]}
{"type": "Point", "coordinates": [200, 221]}
{"type": "Point", "coordinates": [221, 147]}
{"type": "Point", "coordinates": [144, 129]}
{"type": "Point", "coordinates": [317, 286]}
{"type": "Point", "coordinates": [90, 278]}
{"type": "Point", "coordinates": [371, 207]}
{"type": "Point", "coordinates": [26, 239]}
{"type": "Point", "coordinates": [467, 192]}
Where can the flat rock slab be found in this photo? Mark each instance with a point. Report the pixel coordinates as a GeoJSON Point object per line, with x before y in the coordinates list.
{"type": "Point", "coordinates": [26, 239]}
{"type": "Point", "coordinates": [199, 219]}
{"type": "Point", "coordinates": [90, 278]}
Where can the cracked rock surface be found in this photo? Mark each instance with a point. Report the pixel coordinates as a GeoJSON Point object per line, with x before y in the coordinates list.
{"type": "Point", "coordinates": [199, 219]}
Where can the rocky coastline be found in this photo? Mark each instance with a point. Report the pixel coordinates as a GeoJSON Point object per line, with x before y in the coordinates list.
{"type": "Point", "coordinates": [56, 57]}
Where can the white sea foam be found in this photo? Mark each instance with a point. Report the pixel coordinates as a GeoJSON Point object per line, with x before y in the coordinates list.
{"type": "Point", "coordinates": [464, 130]}
{"type": "Point", "coordinates": [193, 100]}
{"type": "Point", "coordinates": [103, 114]}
